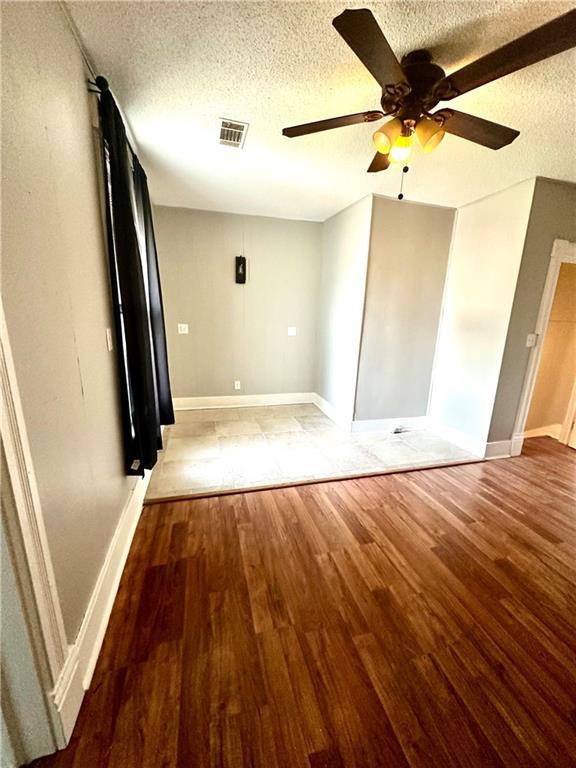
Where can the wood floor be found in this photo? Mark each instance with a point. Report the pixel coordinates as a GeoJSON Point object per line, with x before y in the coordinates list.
{"type": "Point", "coordinates": [421, 619]}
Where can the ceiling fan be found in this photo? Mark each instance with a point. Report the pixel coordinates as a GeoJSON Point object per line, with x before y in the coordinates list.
{"type": "Point", "coordinates": [413, 87]}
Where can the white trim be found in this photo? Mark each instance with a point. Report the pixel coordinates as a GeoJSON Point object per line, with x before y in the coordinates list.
{"type": "Point", "coordinates": [563, 252]}
{"type": "Point", "coordinates": [242, 401]}
{"type": "Point", "coordinates": [568, 423]}
{"type": "Point", "coordinates": [550, 430]}
{"type": "Point", "coordinates": [390, 425]}
{"type": "Point", "coordinates": [29, 511]}
{"type": "Point", "coordinates": [78, 668]}
{"type": "Point", "coordinates": [516, 445]}
{"type": "Point", "coordinates": [500, 449]}
{"type": "Point", "coordinates": [363, 312]}
{"type": "Point", "coordinates": [472, 445]}
{"type": "Point", "coordinates": [342, 420]}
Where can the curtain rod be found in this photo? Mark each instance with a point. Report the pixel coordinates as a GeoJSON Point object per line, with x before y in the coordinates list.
{"type": "Point", "coordinates": [91, 67]}
{"type": "Point", "coordinates": [102, 85]}
{"type": "Point", "coordinates": [74, 29]}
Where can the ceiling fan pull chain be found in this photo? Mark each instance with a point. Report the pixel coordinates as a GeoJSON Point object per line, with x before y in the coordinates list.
{"type": "Point", "coordinates": [404, 170]}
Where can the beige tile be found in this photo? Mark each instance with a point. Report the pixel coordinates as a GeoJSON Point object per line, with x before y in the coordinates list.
{"type": "Point", "coordinates": [241, 414]}
{"type": "Point", "coordinates": [205, 414]}
{"type": "Point", "coordinates": [238, 428]}
{"type": "Point", "coordinates": [316, 421]}
{"type": "Point", "coordinates": [253, 412]}
{"type": "Point", "coordinates": [433, 446]}
{"type": "Point", "coordinates": [303, 461]}
{"type": "Point", "coordinates": [192, 448]}
{"type": "Point", "coordinates": [395, 453]}
{"type": "Point", "coordinates": [226, 449]}
{"type": "Point", "coordinates": [192, 429]}
{"type": "Point", "coordinates": [179, 475]}
{"type": "Point", "coordinates": [282, 441]}
{"type": "Point", "coordinates": [235, 444]}
{"type": "Point", "coordinates": [252, 468]}
{"type": "Point", "coordinates": [285, 424]}
{"type": "Point", "coordinates": [300, 409]}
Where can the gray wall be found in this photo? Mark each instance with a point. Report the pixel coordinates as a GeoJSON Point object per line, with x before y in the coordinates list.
{"type": "Point", "coordinates": [56, 297]}
{"type": "Point", "coordinates": [345, 244]}
{"type": "Point", "coordinates": [409, 249]}
{"type": "Point", "coordinates": [553, 215]}
{"type": "Point", "coordinates": [238, 332]}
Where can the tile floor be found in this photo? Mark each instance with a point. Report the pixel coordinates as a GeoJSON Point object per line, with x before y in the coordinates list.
{"type": "Point", "coordinates": [215, 450]}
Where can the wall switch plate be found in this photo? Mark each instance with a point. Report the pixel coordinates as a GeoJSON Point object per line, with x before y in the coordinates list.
{"type": "Point", "coordinates": [531, 339]}
{"type": "Point", "coordinates": [182, 327]}
{"type": "Point", "coordinates": [291, 330]}
{"type": "Point", "coordinates": [237, 385]}
{"type": "Point", "coordinates": [109, 339]}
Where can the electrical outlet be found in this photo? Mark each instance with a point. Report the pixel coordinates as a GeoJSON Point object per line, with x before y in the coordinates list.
{"type": "Point", "coordinates": [531, 339]}
{"type": "Point", "coordinates": [182, 327]}
{"type": "Point", "coordinates": [291, 330]}
{"type": "Point", "coordinates": [237, 385]}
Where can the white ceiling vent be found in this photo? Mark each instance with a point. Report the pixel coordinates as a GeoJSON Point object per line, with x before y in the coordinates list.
{"type": "Point", "coordinates": [232, 133]}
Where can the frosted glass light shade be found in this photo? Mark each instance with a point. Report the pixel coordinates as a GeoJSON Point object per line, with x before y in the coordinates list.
{"type": "Point", "coordinates": [386, 135]}
{"type": "Point", "coordinates": [401, 149]}
{"type": "Point", "coordinates": [429, 133]}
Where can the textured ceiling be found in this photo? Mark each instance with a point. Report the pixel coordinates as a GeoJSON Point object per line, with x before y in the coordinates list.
{"type": "Point", "coordinates": [177, 67]}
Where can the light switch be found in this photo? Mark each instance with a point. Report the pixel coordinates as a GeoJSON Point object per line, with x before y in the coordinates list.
{"type": "Point", "coordinates": [182, 327]}
{"type": "Point", "coordinates": [291, 330]}
{"type": "Point", "coordinates": [531, 339]}
{"type": "Point", "coordinates": [109, 339]}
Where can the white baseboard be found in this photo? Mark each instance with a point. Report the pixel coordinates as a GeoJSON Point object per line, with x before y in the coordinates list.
{"type": "Point", "coordinates": [516, 445]}
{"type": "Point", "coordinates": [500, 449]}
{"type": "Point", "coordinates": [389, 425]}
{"type": "Point", "coordinates": [473, 445]}
{"type": "Point", "coordinates": [242, 401]}
{"type": "Point", "coordinates": [551, 430]}
{"type": "Point", "coordinates": [78, 668]}
{"type": "Point", "coordinates": [342, 420]}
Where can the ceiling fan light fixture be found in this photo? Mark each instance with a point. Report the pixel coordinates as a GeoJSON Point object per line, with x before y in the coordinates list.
{"type": "Point", "coordinates": [401, 150]}
{"type": "Point", "coordinates": [429, 133]}
{"type": "Point", "coordinates": [381, 142]}
{"type": "Point", "coordinates": [386, 135]}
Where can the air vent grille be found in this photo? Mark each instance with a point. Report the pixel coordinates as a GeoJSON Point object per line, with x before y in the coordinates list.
{"type": "Point", "coordinates": [232, 133]}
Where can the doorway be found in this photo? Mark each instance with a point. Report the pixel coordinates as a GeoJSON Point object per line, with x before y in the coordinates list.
{"type": "Point", "coordinates": [551, 408]}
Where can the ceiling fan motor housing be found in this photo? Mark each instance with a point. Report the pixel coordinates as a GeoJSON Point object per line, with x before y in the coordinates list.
{"type": "Point", "coordinates": [423, 75]}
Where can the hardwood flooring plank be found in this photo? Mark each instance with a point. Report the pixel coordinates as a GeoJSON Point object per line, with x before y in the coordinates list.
{"type": "Point", "coordinates": [146, 730]}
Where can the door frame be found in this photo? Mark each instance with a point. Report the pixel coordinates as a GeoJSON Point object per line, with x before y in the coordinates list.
{"type": "Point", "coordinates": [563, 252]}
{"type": "Point", "coordinates": [26, 534]}
{"type": "Point", "coordinates": [569, 418]}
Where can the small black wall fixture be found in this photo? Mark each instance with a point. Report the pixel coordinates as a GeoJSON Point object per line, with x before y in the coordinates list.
{"type": "Point", "coordinates": [240, 269]}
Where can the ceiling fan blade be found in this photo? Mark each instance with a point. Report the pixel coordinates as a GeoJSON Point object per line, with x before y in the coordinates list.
{"type": "Point", "coordinates": [379, 163]}
{"type": "Point", "coordinates": [332, 122]}
{"type": "Point", "coordinates": [554, 37]}
{"type": "Point", "coordinates": [361, 31]}
{"type": "Point", "coordinates": [476, 129]}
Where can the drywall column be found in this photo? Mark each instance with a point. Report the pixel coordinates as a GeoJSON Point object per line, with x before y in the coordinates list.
{"type": "Point", "coordinates": [409, 248]}
{"type": "Point", "coordinates": [345, 245]}
{"type": "Point", "coordinates": [485, 259]}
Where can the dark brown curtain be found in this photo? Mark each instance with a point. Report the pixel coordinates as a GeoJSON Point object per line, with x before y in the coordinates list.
{"type": "Point", "coordinates": [146, 401]}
